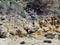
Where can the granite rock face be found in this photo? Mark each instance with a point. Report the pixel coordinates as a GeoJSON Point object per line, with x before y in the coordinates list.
{"type": "Point", "coordinates": [29, 22]}
{"type": "Point", "coordinates": [34, 18]}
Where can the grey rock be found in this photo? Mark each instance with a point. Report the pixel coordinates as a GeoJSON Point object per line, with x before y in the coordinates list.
{"type": "Point", "coordinates": [59, 36]}
{"type": "Point", "coordinates": [49, 35]}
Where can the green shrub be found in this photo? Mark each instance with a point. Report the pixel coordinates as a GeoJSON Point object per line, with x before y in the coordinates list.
{"type": "Point", "coordinates": [12, 1]}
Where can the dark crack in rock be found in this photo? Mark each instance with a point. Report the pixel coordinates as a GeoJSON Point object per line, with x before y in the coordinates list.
{"type": "Point", "coordinates": [47, 41]}
{"type": "Point", "coordinates": [2, 34]}
{"type": "Point", "coordinates": [23, 42]}
{"type": "Point", "coordinates": [1, 24]}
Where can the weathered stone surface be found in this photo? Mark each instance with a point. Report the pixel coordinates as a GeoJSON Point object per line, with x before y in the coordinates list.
{"type": "Point", "coordinates": [29, 22]}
